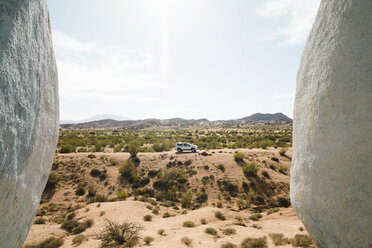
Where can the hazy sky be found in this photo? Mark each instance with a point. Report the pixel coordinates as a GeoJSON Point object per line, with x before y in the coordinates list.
{"type": "Point", "coordinates": [215, 59]}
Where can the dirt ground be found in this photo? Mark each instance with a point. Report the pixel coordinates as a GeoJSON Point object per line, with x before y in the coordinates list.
{"type": "Point", "coordinates": [75, 169]}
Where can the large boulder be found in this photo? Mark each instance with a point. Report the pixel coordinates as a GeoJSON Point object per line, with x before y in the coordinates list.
{"type": "Point", "coordinates": [331, 174]}
{"type": "Point", "coordinates": [28, 114]}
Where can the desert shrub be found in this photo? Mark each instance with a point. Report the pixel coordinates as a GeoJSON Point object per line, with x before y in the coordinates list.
{"type": "Point", "coordinates": [265, 174]}
{"type": "Point", "coordinates": [51, 242]}
{"type": "Point", "coordinates": [282, 151]}
{"type": "Point", "coordinates": [144, 181]}
{"type": "Point", "coordinates": [275, 159]}
{"type": "Point", "coordinates": [256, 226]}
{"type": "Point", "coordinates": [148, 240]}
{"type": "Point", "coordinates": [188, 162]}
{"type": "Point", "coordinates": [69, 225]}
{"type": "Point", "coordinates": [68, 148]}
{"type": "Point", "coordinates": [98, 198]}
{"type": "Point", "coordinates": [210, 231]}
{"type": "Point", "coordinates": [92, 191]}
{"type": "Point", "coordinates": [79, 239]}
{"type": "Point", "coordinates": [53, 180]}
{"type": "Point", "coordinates": [250, 170]}
{"type": "Point", "coordinates": [229, 245]}
{"type": "Point", "coordinates": [127, 170]}
{"type": "Point", "coordinates": [221, 167]}
{"type": "Point", "coordinates": [219, 204]}
{"type": "Point", "coordinates": [301, 229]}
{"type": "Point", "coordinates": [76, 227]}
{"type": "Point", "coordinates": [186, 200]}
{"type": "Point", "coordinates": [188, 223]}
{"type": "Point", "coordinates": [204, 153]}
{"type": "Point", "coordinates": [282, 169]}
{"type": "Point", "coordinates": [278, 239]}
{"type": "Point", "coordinates": [272, 210]}
{"type": "Point", "coordinates": [71, 216]}
{"type": "Point", "coordinates": [91, 156]}
{"type": "Point", "coordinates": [201, 197]}
{"type": "Point", "coordinates": [255, 217]}
{"type": "Point", "coordinates": [117, 234]}
{"type": "Point", "coordinates": [161, 232]}
{"type": "Point", "coordinates": [80, 191]}
{"type": "Point", "coordinates": [39, 221]}
{"type": "Point", "coordinates": [301, 240]}
{"type": "Point", "coordinates": [186, 241]}
{"type": "Point", "coordinates": [166, 215]}
{"type": "Point", "coordinates": [160, 147]}
{"type": "Point", "coordinates": [102, 213]}
{"type": "Point", "coordinates": [219, 215]}
{"type": "Point", "coordinates": [283, 202]}
{"type": "Point", "coordinates": [152, 173]}
{"type": "Point", "coordinates": [203, 221]}
{"type": "Point", "coordinates": [254, 243]}
{"type": "Point", "coordinates": [147, 217]}
{"type": "Point", "coordinates": [229, 231]}
{"type": "Point", "coordinates": [122, 195]}
{"type": "Point", "coordinates": [272, 167]}
{"type": "Point", "coordinates": [95, 172]}
{"type": "Point", "coordinates": [239, 156]}
{"type": "Point", "coordinates": [155, 211]}
{"type": "Point", "coordinates": [133, 148]}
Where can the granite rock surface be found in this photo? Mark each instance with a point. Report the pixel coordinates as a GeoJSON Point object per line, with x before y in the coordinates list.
{"type": "Point", "coordinates": [331, 173]}
{"type": "Point", "coordinates": [29, 114]}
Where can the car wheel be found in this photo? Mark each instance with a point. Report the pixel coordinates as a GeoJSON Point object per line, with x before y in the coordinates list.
{"type": "Point", "coordinates": [179, 150]}
{"type": "Point", "coordinates": [193, 150]}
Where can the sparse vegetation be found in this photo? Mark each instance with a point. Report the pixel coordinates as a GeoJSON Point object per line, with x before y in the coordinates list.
{"type": "Point", "coordinates": [147, 217]}
{"type": "Point", "coordinates": [301, 240]}
{"type": "Point", "coordinates": [161, 232]}
{"type": "Point", "coordinates": [148, 240]}
{"type": "Point", "coordinates": [255, 217]}
{"type": "Point", "coordinates": [79, 239]}
{"type": "Point", "coordinates": [282, 151]}
{"type": "Point", "coordinates": [117, 234]}
{"type": "Point", "coordinates": [239, 157]}
{"type": "Point", "coordinates": [210, 231]}
{"type": "Point", "coordinates": [186, 241]}
{"type": "Point", "coordinates": [250, 170]}
{"type": "Point", "coordinates": [278, 239]}
{"type": "Point", "coordinates": [219, 215]}
{"type": "Point", "coordinates": [229, 245]}
{"type": "Point", "coordinates": [51, 242]}
{"type": "Point", "coordinates": [254, 243]}
{"type": "Point", "coordinates": [39, 221]}
{"type": "Point", "coordinates": [229, 231]}
{"type": "Point", "coordinates": [188, 224]}
{"type": "Point", "coordinates": [203, 221]}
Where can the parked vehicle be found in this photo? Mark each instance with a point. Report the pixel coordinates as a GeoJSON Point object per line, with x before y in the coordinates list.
{"type": "Point", "coordinates": [183, 146]}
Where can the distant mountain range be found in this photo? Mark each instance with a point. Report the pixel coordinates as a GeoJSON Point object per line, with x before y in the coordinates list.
{"type": "Point", "coordinates": [97, 118]}
{"type": "Point", "coordinates": [113, 123]}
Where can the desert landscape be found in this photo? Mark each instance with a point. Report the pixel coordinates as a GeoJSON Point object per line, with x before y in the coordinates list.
{"type": "Point", "coordinates": [211, 198]}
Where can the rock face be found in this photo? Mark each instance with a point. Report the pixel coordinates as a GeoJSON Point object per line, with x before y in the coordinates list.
{"type": "Point", "coordinates": [28, 114]}
{"type": "Point", "coordinates": [331, 174]}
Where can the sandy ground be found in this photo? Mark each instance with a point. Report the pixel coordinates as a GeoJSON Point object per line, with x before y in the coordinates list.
{"type": "Point", "coordinates": [285, 221]}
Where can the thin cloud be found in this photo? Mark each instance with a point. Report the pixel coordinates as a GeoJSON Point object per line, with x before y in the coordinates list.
{"type": "Point", "coordinates": [298, 15]}
{"type": "Point", "coordinates": [89, 70]}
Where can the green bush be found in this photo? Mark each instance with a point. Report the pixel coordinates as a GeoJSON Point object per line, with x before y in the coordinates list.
{"type": "Point", "coordinates": [68, 148]}
{"type": "Point", "coordinates": [188, 224]}
{"type": "Point", "coordinates": [133, 148]}
{"type": "Point", "coordinates": [250, 170]}
{"type": "Point", "coordinates": [186, 200]}
{"type": "Point", "coordinates": [122, 195]}
{"type": "Point", "coordinates": [229, 231]}
{"type": "Point", "coordinates": [148, 240]}
{"type": "Point", "coordinates": [51, 242]}
{"type": "Point", "coordinates": [147, 217]}
{"type": "Point", "coordinates": [239, 156]}
{"type": "Point", "coordinates": [219, 215]}
{"type": "Point", "coordinates": [39, 221]}
{"type": "Point", "coordinates": [79, 239]}
{"type": "Point", "coordinates": [210, 231]}
{"type": "Point", "coordinates": [229, 245]}
{"type": "Point", "coordinates": [92, 191]}
{"type": "Point", "coordinates": [186, 241]}
{"type": "Point", "coordinates": [125, 234]}
{"type": "Point", "coordinates": [254, 243]}
{"type": "Point", "coordinates": [127, 170]}
{"type": "Point", "coordinates": [255, 217]}
{"type": "Point", "coordinates": [279, 239]}
{"type": "Point", "coordinates": [301, 240]}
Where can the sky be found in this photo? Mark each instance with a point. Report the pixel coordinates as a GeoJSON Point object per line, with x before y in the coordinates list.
{"type": "Point", "coordinates": [214, 59]}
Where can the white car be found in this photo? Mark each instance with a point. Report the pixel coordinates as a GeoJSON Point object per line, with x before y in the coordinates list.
{"type": "Point", "coordinates": [183, 146]}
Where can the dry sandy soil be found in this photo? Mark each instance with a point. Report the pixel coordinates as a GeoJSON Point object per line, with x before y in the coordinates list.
{"type": "Point", "coordinates": [75, 169]}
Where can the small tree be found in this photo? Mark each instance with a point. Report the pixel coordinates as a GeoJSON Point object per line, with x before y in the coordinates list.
{"type": "Point", "coordinates": [133, 148]}
{"type": "Point", "coordinates": [117, 234]}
